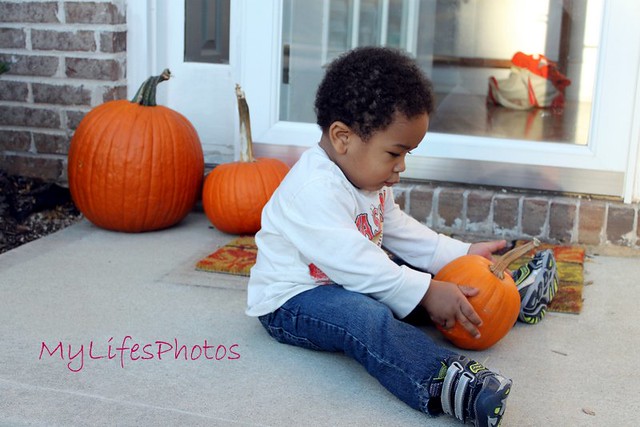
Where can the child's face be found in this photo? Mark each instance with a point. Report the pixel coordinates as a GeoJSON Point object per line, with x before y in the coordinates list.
{"type": "Point", "coordinates": [379, 161]}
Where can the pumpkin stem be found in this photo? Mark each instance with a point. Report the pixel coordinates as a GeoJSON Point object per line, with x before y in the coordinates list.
{"type": "Point", "coordinates": [246, 143]}
{"type": "Point", "coordinates": [501, 265]}
{"type": "Point", "coordinates": [146, 95]}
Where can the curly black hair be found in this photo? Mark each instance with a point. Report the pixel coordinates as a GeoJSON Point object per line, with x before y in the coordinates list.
{"type": "Point", "coordinates": [364, 87]}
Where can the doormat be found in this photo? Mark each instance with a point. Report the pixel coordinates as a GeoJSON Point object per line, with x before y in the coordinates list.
{"type": "Point", "coordinates": [238, 256]}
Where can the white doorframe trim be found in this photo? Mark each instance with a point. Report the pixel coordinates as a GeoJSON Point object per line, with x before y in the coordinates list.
{"type": "Point", "coordinates": [632, 181]}
{"type": "Point", "coordinates": [142, 43]}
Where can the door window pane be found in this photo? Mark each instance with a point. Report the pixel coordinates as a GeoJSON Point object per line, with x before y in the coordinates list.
{"type": "Point", "coordinates": [206, 31]}
{"type": "Point", "coordinates": [461, 45]}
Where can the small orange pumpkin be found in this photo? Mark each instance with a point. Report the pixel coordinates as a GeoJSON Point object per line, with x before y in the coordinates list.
{"type": "Point", "coordinates": [497, 303]}
{"type": "Point", "coordinates": [234, 194]}
{"type": "Point", "coordinates": [135, 166]}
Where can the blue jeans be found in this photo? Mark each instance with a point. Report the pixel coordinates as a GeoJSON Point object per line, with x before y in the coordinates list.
{"type": "Point", "coordinates": [399, 355]}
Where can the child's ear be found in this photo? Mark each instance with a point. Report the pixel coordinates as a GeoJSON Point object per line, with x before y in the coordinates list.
{"type": "Point", "coordinates": [339, 135]}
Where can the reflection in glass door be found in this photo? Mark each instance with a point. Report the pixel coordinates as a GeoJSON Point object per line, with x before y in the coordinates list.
{"type": "Point", "coordinates": [316, 32]}
{"type": "Point", "coordinates": [460, 45]}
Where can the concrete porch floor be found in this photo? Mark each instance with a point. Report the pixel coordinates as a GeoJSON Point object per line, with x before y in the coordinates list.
{"type": "Point", "coordinates": [88, 287]}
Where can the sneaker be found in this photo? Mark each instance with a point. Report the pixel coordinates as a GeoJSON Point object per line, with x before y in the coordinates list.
{"type": "Point", "coordinates": [472, 393]}
{"type": "Point", "coordinates": [537, 283]}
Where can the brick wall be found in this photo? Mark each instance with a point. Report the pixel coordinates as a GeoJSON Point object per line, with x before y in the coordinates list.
{"type": "Point", "coordinates": [68, 56]}
{"type": "Point", "coordinates": [484, 213]}
{"type": "Point", "coordinates": [65, 57]}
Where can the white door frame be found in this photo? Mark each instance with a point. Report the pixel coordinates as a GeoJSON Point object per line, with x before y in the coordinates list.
{"type": "Point", "coordinates": [608, 165]}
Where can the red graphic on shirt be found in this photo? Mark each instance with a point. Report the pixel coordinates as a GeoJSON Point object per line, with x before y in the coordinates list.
{"type": "Point", "coordinates": [362, 222]}
{"type": "Point", "coordinates": [318, 275]}
{"type": "Point", "coordinates": [364, 227]}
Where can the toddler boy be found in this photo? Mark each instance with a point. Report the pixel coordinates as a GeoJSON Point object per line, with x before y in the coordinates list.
{"type": "Point", "coordinates": [322, 280]}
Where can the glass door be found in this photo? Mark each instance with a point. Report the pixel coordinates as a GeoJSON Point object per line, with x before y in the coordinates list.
{"type": "Point", "coordinates": [461, 46]}
{"type": "Point", "coordinates": [582, 148]}
{"type": "Point", "coordinates": [316, 32]}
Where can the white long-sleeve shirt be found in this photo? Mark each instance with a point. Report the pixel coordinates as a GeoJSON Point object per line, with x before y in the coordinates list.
{"type": "Point", "coordinates": [318, 228]}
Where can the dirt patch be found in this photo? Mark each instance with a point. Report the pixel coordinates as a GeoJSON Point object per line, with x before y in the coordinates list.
{"type": "Point", "coordinates": [31, 209]}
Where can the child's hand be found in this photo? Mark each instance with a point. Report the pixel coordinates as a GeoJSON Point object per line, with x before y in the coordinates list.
{"type": "Point", "coordinates": [486, 249]}
{"type": "Point", "coordinates": [447, 304]}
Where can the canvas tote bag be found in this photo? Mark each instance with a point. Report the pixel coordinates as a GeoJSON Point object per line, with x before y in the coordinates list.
{"type": "Point", "coordinates": [533, 82]}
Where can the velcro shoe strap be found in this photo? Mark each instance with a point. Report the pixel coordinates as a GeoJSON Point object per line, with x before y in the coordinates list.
{"type": "Point", "coordinates": [448, 386]}
{"type": "Point", "coordinates": [462, 390]}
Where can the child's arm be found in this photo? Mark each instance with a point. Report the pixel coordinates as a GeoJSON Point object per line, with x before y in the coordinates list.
{"type": "Point", "coordinates": [417, 244]}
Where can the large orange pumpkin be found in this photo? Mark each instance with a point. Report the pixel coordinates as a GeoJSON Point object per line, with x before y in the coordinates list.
{"type": "Point", "coordinates": [234, 194]}
{"type": "Point", "coordinates": [497, 303]}
{"type": "Point", "coordinates": [134, 165]}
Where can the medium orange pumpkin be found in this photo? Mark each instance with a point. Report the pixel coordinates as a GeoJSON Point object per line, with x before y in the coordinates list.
{"type": "Point", "coordinates": [135, 166]}
{"type": "Point", "coordinates": [497, 303]}
{"type": "Point", "coordinates": [234, 194]}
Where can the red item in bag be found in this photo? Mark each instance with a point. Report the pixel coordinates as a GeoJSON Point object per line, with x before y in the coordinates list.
{"type": "Point", "coordinates": [534, 81]}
